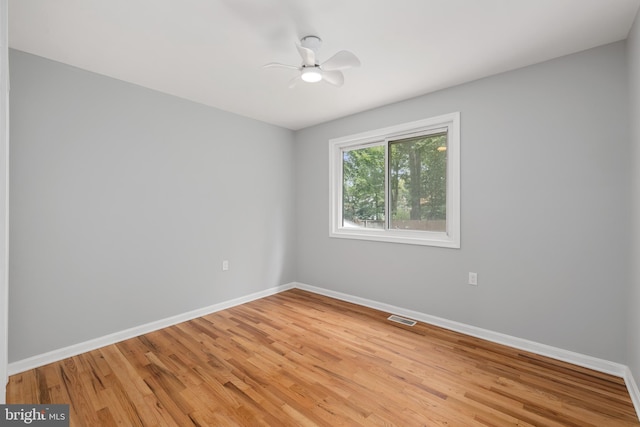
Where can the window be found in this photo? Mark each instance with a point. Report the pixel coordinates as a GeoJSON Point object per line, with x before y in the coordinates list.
{"type": "Point", "coordinates": [398, 184]}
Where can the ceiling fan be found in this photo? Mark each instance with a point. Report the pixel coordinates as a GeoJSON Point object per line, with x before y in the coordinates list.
{"type": "Point", "coordinates": [311, 71]}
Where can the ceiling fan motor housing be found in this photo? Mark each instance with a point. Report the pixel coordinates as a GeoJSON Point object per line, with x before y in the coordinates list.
{"type": "Point", "coordinates": [311, 42]}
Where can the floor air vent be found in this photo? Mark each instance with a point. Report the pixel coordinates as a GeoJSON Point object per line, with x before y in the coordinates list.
{"type": "Point", "coordinates": [402, 320]}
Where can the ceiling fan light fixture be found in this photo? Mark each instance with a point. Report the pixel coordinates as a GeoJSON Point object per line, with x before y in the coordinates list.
{"type": "Point", "coordinates": [311, 74]}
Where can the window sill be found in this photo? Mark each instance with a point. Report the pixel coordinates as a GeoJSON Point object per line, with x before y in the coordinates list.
{"type": "Point", "coordinates": [423, 238]}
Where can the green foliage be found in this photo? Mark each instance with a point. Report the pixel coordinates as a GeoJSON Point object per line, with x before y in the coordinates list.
{"type": "Point", "coordinates": [418, 170]}
{"type": "Point", "coordinates": [417, 180]}
{"type": "Point", "coordinates": [363, 185]}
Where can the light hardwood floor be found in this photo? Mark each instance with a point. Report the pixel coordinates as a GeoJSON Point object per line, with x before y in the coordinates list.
{"type": "Point", "coordinates": [302, 359]}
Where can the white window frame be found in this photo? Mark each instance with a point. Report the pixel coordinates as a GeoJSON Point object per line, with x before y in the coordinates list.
{"type": "Point", "coordinates": [447, 239]}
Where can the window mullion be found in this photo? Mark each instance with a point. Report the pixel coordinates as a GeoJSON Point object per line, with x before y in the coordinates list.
{"type": "Point", "coordinates": [387, 187]}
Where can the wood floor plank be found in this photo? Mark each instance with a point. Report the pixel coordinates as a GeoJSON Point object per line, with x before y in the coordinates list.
{"type": "Point", "coordinates": [301, 359]}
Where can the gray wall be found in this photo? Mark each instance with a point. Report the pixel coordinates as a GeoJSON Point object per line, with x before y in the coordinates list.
{"type": "Point", "coordinates": [633, 53]}
{"type": "Point", "coordinates": [545, 208]}
{"type": "Point", "coordinates": [125, 201]}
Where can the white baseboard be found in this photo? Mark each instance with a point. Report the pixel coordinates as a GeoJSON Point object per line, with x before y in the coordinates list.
{"type": "Point", "coordinates": [634, 392]}
{"type": "Point", "coordinates": [73, 350]}
{"type": "Point", "coordinates": [590, 362]}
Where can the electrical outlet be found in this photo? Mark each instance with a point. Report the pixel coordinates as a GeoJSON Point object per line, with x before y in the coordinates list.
{"type": "Point", "coordinates": [225, 265]}
{"type": "Point", "coordinates": [473, 279]}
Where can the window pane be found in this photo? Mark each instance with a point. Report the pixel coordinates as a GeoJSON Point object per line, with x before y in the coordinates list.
{"type": "Point", "coordinates": [418, 183]}
{"type": "Point", "coordinates": [363, 188]}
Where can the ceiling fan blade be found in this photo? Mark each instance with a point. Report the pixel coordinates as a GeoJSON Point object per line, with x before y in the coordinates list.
{"type": "Point", "coordinates": [340, 61]}
{"type": "Point", "coordinates": [294, 82]}
{"type": "Point", "coordinates": [278, 65]}
{"type": "Point", "coordinates": [308, 56]}
{"type": "Point", "coordinates": [336, 78]}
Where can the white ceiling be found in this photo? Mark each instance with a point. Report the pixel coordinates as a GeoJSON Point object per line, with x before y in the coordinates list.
{"type": "Point", "coordinates": [212, 51]}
